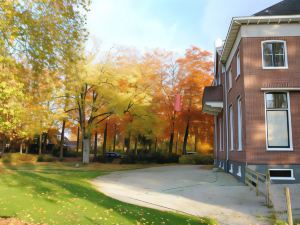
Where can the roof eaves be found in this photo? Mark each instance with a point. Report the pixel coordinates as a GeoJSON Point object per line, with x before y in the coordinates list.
{"type": "Point", "coordinates": [237, 22]}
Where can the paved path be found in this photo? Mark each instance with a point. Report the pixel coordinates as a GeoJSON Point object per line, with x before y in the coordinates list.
{"type": "Point", "coordinates": [195, 190]}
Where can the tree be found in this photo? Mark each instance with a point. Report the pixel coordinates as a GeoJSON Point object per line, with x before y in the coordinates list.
{"type": "Point", "coordinates": [196, 72]}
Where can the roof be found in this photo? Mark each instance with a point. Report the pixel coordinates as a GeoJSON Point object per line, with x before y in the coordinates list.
{"type": "Point", "coordinates": [237, 22]}
{"type": "Point", "coordinates": [286, 7]}
{"type": "Point", "coordinates": [286, 11]}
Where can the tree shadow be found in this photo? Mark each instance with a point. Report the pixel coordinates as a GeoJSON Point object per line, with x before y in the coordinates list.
{"type": "Point", "coordinates": [80, 188]}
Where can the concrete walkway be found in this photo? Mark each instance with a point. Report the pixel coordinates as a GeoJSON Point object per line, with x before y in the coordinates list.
{"type": "Point", "coordinates": [195, 190]}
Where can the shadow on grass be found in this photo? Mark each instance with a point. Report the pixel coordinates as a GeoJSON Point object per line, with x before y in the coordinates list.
{"type": "Point", "coordinates": [74, 183]}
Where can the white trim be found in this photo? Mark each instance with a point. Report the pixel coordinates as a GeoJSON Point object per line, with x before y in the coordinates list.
{"type": "Point", "coordinates": [285, 55]}
{"type": "Point", "coordinates": [215, 104]}
{"type": "Point", "coordinates": [290, 126]}
{"type": "Point", "coordinates": [283, 178]}
{"type": "Point", "coordinates": [281, 89]}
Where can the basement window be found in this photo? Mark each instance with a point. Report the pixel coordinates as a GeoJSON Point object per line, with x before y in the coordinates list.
{"type": "Point", "coordinates": [231, 168]}
{"type": "Point", "coordinates": [239, 173]}
{"type": "Point", "coordinates": [281, 174]}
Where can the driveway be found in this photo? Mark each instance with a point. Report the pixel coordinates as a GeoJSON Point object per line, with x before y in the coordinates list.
{"type": "Point", "coordinates": [194, 190]}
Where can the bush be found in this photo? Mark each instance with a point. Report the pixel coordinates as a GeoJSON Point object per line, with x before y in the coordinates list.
{"type": "Point", "coordinates": [45, 158]}
{"type": "Point", "coordinates": [67, 153]}
{"type": "Point", "coordinates": [197, 159]}
{"type": "Point", "coordinates": [17, 158]}
{"type": "Point", "coordinates": [151, 157]}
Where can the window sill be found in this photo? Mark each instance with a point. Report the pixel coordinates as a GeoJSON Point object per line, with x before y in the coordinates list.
{"type": "Point", "coordinates": [237, 77]}
{"type": "Point", "coordinates": [240, 150]}
{"type": "Point", "coordinates": [280, 149]}
{"type": "Point", "coordinates": [282, 178]}
{"type": "Point", "coordinates": [275, 68]}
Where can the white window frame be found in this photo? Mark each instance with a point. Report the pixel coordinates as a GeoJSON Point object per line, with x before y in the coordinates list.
{"type": "Point", "coordinates": [229, 79]}
{"type": "Point", "coordinates": [289, 125]}
{"type": "Point", "coordinates": [231, 168]}
{"type": "Point", "coordinates": [285, 55]}
{"type": "Point", "coordinates": [283, 178]}
{"type": "Point", "coordinates": [239, 173]}
{"type": "Point", "coordinates": [240, 124]}
{"type": "Point", "coordinates": [231, 127]}
{"type": "Point", "coordinates": [238, 64]}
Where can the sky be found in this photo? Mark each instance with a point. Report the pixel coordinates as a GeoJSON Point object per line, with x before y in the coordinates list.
{"type": "Point", "coordinates": [167, 24]}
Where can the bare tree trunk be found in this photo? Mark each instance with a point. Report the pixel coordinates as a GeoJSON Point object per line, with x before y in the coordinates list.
{"type": "Point", "coordinates": [172, 134]}
{"type": "Point", "coordinates": [104, 140]}
{"type": "Point", "coordinates": [155, 146]}
{"type": "Point", "coordinates": [78, 139]}
{"type": "Point", "coordinates": [40, 144]}
{"type": "Point", "coordinates": [21, 147]}
{"type": "Point", "coordinates": [115, 137]}
{"type": "Point", "coordinates": [95, 146]}
{"type": "Point", "coordinates": [186, 134]}
{"type": "Point", "coordinates": [129, 140]}
{"type": "Point", "coordinates": [177, 143]}
{"type": "Point", "coordinates": [62, 138]}
{"type": "Point", "coordinates": [86, 149]}
{"type": "Point", "coordinates": [135, 145]}
{"type": "Point", "coordinates": [45, 142]}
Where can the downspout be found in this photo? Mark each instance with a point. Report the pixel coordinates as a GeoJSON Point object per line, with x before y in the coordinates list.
{"type": "Point", "coordinates": [226, 117]}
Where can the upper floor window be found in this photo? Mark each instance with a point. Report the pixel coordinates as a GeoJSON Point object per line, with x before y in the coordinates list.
{"type": "Point", "coordinates": [238, 64]}
{"type": "Point", "coordinates": [231, 128]}
{"type": "Point", "coordinates": [274, 54]}
{"type": "Point", "coordinates": [229, 79]}
{"type": "Point", "coordinates": [239, 120]}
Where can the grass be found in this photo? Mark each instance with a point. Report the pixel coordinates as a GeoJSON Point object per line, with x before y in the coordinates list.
{"type": "Point", "coordinates": [60, 193]}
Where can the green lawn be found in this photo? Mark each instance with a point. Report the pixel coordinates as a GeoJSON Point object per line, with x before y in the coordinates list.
{"type": "Point", "coordinates": [59, 193]}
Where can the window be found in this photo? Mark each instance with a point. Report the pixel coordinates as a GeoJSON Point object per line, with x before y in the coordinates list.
{"type": "Point", "coordinates": [239, 118]}
{"type": "Point", "coordinates": [239, 173]}
{"type": "Point", "coordinates": [229, 79]}
{"type": "Point", "coordinates": [220, 135]}
{"type": "Point", "coordinates": [238, 64]}
{"type": "Point", "coordinates": [274, 54]}
{"type": "Point", "coordinates": [231, 168]}
{"type": "Point", "coordinates": [278, 121]}
{"type": "Point", "coordinates": [281, 174]}
{"type": "Point", "coordinates": [231, 127]}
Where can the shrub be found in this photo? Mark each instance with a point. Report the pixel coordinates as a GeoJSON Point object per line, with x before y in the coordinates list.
{"type": "Point", "coordinates": [151, 157]}
{"type": "Point", "coordinates": [67, 153]}
{"type": "Point", "coordinates": [197, 159]}
{"type": "Point", "coordinates": [17, 158]}
{"type": "Point", "coordinates": [45, 158]}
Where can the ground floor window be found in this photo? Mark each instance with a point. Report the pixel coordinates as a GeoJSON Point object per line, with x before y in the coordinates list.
{"type": "Point", "coordinates": [239, 173]}
{"type": "Point", "coordinates": [281, 174]}
{"type": "Point", "coordinates": [278, 121]}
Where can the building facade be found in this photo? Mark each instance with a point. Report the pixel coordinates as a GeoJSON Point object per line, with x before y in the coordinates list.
{"type": "Point", "coordinates": [255, 96]}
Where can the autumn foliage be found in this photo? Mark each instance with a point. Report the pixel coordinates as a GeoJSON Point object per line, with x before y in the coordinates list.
{"type": "Point", "coordinates": [52, 91]}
